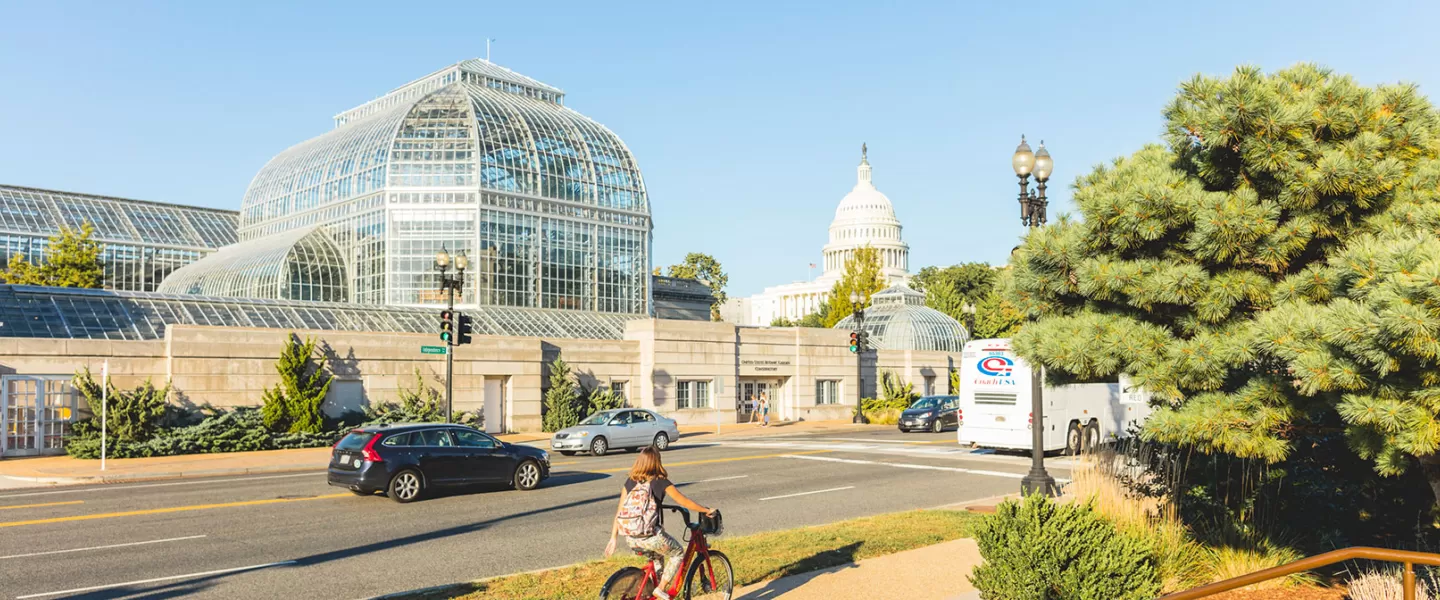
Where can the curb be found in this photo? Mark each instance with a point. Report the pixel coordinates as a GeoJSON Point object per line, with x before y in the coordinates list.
{"type": "Point", "coordinates": [108, 479]}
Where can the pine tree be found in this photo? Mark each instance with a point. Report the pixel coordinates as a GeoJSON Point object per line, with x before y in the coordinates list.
{"type": "Point", "coordinates": [1274, 266]}
{"type": "Point", "coordinates": [294, 404]}
{"type": "Point", "coordinates": [562, 399]}
{"type": "Point", "coordinates": [862, 274]}
{"type": "Point", "coordinates": [71, 260]}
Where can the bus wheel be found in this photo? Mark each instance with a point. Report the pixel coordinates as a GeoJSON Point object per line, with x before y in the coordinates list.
{"type": "Point", "coordinates": [1074, 437]}
{"type": "Point", "coordinates": [1092, 437]}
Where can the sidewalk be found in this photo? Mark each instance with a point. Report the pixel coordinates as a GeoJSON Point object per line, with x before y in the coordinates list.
{"type": "Point", "coordinates": [938, 572]}
{"type": "Point", "coordinates": [63, 470]}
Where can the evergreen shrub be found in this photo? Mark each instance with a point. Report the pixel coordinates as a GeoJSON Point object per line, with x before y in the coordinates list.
{"type": "Point", "coordinates": [1036, 549]}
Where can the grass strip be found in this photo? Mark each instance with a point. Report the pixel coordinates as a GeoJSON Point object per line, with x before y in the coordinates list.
{"type": "Point", "coordinates": [756, 558]}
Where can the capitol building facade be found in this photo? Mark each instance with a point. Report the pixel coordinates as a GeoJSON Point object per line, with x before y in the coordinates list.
{"type": "Point", "coordinates": [865, 217]}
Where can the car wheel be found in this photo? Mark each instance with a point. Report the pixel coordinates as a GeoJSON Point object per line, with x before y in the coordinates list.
{"type": "Point", "coordinates": [527, 476]}
{"type": "Point", "coordinates": [1073, 439]}
{"type": "Point", "coordinates": [406, 486]}
{"type": "Point", "coordinates": [568, 452]}
{"type": "Point", "coordinates": [937, 427]}
{"type": "Point", "coordinates": [1092, 437]}
{"type": "Point", "coordinates": [599, 447]}
{"type": "Point", "coordinates": [662, 441]}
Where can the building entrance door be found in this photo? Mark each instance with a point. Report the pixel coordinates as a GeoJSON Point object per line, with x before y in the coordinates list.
{"type": "Point", "coordinates": [749, 405]}
{"type": "Point", "coordinates": [494, 407]}
{"type": "Point", "coordinates": [35, 414]}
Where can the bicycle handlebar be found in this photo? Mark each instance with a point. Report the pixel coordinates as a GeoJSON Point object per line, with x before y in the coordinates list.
{"type": "Point", "coordinates": [684, 512]}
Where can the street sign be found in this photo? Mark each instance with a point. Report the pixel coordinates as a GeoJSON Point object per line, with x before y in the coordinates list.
{"type": "Point", "coordinates": [432, 349]}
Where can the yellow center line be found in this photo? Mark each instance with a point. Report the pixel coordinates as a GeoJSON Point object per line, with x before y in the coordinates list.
{"type": "Point", "coordinates": [157, 511]}
{"type": "Point", "coordinates": [718, 460]}
{"type": "Point", "coordinates": [45, 504]}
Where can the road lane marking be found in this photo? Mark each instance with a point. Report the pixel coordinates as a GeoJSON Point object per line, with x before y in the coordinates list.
{"type": "Point", "coordinates": [158, 579]}
{"type": "Point", "coordinates": [848, 487]}
{"type": "Point", "coordinates": [119, 486]}
{"type": "Point", "coordinates": [188, 537]}
{"type": "Point", "coordinates": [721, 479]}
{"type": "Point", "coordinates": [852, 461]}
{"type": "Point", "coordinates": [711, 461]}
{"type": "Point", "coordinates": [879, 441]}
{"type": "Point", "coordinates": [40, 505]}
{"type": "Point", "coordinates": [157, 511]}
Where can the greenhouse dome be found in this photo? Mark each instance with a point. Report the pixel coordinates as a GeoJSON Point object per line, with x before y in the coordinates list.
{"type": "Point", "coordinates": [898, 319]}
{"type": "Point", "coordinates": [296, 265]}
{"type": "Point", "coordinates": [548, 204]}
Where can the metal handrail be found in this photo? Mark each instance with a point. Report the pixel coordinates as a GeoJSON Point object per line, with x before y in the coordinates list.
{"type": "Point", "coordinates": [1408, 558]}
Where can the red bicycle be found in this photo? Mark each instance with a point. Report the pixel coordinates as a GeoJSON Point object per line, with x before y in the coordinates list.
{"type": "Point", "coordinates": [707, 573]}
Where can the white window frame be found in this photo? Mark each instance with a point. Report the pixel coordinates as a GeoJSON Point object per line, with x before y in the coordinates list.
{"type": "Point", "coordinates": [827, 385]}
{"type": "Point", "coordinates": [692, 394]}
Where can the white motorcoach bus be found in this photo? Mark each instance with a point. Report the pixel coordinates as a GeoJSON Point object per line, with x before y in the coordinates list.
{"type": "Point", "coordinates": [995, 404]}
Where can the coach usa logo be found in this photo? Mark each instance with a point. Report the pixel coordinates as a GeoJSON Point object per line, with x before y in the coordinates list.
{"type": "Point", "coordinates": [996, 366]}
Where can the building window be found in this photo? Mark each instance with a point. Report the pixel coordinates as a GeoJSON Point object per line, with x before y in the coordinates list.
{"type": "Point", "coordinates": [827, 391]}
{"type": "Point", "coordinates": [692, 394]}
{"type": "Point", "coordinates": [618, 388]}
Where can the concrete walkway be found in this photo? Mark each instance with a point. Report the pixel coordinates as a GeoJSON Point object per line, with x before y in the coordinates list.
{"type": "Point", "coordinates": [938, 572]}
{"type": "Point", "coordinates": [63, 470]}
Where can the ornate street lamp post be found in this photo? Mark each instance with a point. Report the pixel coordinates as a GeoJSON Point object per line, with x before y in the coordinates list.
{"type": "Point", "coordinates": [969, 310]}
{"type": "Point", "coordinates": [1032, 214]}
{"type": "Point", "coordinates": [450, 284]}
{"type": "Point", "coordinates": [857, 304]}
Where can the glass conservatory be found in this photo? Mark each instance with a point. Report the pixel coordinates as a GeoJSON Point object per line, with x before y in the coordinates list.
{"type": "Point", "coordinates": [548, 204]}
{"type": "Point", "coordinates": [898, 319]}
{"type": "Point", "coordinates": [140, 242]}
{"type": "Point", "coordinates": [73, 313]}
{"type": "Point", "coordinates": [304, 264]}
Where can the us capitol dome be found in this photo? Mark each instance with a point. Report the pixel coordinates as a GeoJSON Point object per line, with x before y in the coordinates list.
{"type": "Point", "coordinates": [865, 217]}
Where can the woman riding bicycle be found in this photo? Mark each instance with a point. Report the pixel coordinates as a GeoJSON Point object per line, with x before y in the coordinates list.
{"type": "Point", "coordinates": [638, 515]}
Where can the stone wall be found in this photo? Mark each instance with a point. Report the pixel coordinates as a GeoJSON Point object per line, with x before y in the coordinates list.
{"type": "Point", "coordinates": [229, 367]}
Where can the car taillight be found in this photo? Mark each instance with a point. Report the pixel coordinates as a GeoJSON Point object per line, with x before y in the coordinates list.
{"type": "Point", "coordinates": [369, 453]}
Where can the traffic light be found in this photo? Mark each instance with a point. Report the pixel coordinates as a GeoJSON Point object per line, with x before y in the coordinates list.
{"type": "Point", "coordinates": [854, 341]}
{"type": "Point", "coordinates": [467, 325]}
{"type": "Point", "coordinates": [447, 326]}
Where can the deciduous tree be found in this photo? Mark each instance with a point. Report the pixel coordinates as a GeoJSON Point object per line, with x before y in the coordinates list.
{"type": "Point", "coordinates": [862, 275]}
{"type": "Point", "coordinates": [707, 270]}
{"type": "Point", "coordinates": [72, 259]}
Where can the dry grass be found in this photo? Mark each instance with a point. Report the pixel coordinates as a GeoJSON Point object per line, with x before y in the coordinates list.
{"type": "Point", "coordinates": [1385, 584]}
{"type": "Point", "coordinates": [1183, 562]}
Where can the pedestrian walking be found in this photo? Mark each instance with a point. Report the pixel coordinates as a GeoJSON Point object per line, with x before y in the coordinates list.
{"type": "Point", "coordinates": [750, 408]}
{"type": "Point", "coordinates": [764, 409]}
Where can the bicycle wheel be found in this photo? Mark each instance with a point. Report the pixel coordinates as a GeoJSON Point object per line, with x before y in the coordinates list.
{"type": "Point", "coordinates": [714, 583]}
{"type": "Point", "coordinates": [625, 584]}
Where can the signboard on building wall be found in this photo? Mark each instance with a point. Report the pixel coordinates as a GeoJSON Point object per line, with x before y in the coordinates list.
{"type": "Point", "coordinates": [771, 365]}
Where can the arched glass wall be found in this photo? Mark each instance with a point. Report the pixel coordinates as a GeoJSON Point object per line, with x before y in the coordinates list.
{"type": "Point", "coordinates": [298, 265]}
{"type": "Point", "coordinates": [549, 204]}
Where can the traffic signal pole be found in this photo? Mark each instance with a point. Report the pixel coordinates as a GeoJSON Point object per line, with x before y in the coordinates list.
{"type": "Point", "coordinates": [450, 357]}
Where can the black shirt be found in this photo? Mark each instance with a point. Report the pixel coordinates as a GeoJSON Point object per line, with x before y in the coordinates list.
{"type": "Point", "coordinates": [657, 488]}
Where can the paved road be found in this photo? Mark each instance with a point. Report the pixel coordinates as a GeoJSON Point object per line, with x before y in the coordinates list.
{"type": "Point", "coordinates": [292, 536]}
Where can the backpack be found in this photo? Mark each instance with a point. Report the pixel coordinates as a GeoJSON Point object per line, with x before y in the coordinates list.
{"type": "Point", "coordinates": [639, 515]}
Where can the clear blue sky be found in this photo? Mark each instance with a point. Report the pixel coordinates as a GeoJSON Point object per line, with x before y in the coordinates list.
{"type": "Point", "coordinates": [747, 118]}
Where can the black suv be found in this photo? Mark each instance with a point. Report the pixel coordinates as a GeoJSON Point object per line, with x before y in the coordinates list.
{"type": "Point", "coordinates": [931, 413]}
{"type": "Point", "coordinates": [405, 461]}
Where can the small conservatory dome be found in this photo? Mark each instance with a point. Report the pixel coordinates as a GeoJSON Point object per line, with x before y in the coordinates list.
{"type": "Point", "coordinates": [898, 319]}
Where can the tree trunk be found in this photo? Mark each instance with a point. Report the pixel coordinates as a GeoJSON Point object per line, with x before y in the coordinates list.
{"type": "Point", "coordinates": [1430, 466]}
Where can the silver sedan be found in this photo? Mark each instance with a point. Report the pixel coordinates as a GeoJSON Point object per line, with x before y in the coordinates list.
{"type": "Point", "coordinates": [614, 429]}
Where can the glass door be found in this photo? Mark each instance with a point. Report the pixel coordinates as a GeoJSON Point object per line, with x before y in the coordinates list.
{"type": "Point", "coordinates": [35, 414]}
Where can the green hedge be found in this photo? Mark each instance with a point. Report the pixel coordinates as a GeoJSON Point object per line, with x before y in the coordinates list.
{"type": "Point", "coordinates": [1037, 549]}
